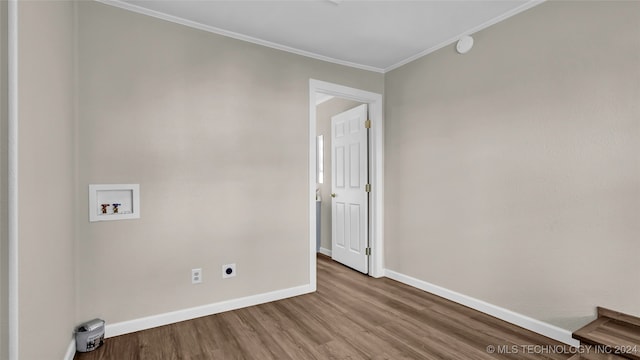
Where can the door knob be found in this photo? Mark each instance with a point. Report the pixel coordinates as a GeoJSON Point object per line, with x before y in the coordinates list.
{"type": "Point", "coordinates": [333, 194]}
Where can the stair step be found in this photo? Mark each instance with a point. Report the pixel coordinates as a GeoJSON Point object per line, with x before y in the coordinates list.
{"type": "Point", "coordinates": [596, 356]}
{"type": "Point", "coordinates": [616, 332]}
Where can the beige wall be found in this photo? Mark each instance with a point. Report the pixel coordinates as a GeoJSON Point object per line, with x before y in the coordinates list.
{"type": "Point", "coordinates": [512, 172]}
{"type": "Point", "coordinates": [46, 179]}
{"type": "Point", "coordinates": [215, 131]}
{"type": "Point", "coordinates": [4, 291]}
{"type": "Point", "coordinates": [324, 112]}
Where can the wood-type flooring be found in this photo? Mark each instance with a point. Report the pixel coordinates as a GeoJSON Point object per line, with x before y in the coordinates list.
{"type": "Point", "coordinates": [351, 316]}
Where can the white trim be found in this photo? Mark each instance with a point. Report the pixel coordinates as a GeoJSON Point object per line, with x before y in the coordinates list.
{"type": "Point", "coordinates": [196, 25]}
{"type": "Point", "coordinates": [313, 164]}
{"type": "Point", "coordinates": [509, 316]}
{"type": "Point", "coordinates": [322, 98]}
{"type": "Point", "coordinates": [149, 322]}
{"type": "Point", "coordinates": [234, 35]}
{"type": "Point", "coordinates": [376, 230]}
{"type": "Point", "coordinates": [325, 251]}
{"type": "Point", "coordinates": [526, 6]}
{"type": "Point", "coordinates": [12, 164]}
{"type": "Point", "coordinates": [71, 350]}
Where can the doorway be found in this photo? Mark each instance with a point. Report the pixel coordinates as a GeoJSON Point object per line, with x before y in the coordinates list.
{"type": "Point", "coordinates": [375, 227]}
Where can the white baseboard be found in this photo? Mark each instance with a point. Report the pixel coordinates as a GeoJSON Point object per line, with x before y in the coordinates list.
{"type": "Point", "coordinates": [537, 326]}
{"type": "Point", "coordinates": [149, 322]}
{"type": "Point", "coordinates": [325, 251]}
{"type": "Point", "coordinates": [71, 350]}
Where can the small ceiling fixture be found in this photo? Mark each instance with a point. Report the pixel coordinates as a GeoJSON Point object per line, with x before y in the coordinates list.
{"type": "Point", "coordinates": [464, 44]}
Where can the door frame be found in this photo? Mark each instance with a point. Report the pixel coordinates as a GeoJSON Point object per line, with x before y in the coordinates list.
{"type": "Point", "coordinates": [376, 151]}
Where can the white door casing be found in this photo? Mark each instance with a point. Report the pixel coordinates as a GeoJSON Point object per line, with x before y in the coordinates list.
{"type": "Point", "coordinates": [349, 199]}
{"type": "Point", "coordinates": [376, 173]}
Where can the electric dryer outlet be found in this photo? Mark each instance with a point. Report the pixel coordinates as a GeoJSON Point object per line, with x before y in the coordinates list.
{"type": "Point", "coordinates": [228, 271]}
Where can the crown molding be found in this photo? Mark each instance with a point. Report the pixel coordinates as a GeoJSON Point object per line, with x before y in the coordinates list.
{"type": "Point", "coordinates": [234, 35]}
{"type": "Point", "coordinates": [526, 6]}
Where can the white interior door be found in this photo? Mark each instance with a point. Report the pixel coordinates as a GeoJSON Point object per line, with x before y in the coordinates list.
{"type": "Point", "coordinates": [349, 199]}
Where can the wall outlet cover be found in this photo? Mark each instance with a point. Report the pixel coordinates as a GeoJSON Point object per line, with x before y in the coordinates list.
{"type": "Point", "coordinates": [196, 276]}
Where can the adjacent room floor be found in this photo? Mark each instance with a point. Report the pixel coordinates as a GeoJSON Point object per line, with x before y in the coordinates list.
{"type": "Point", "coordinates": [351, 316]}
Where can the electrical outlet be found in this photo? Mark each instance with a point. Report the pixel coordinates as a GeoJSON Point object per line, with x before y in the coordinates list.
{"type": "Point", "coordinates": [196, 276]}
{"type": "Point", "coordinates": [228, 271]}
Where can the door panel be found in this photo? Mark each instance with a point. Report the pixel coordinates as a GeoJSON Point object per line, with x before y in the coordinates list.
{"type": "Point", "coordinates": [354, 168]}
{"type": "Point", "coordinates": [339, 168]}
{"type": "Point", "coordinates": [349, 207]}
{"type": "Point", "coordinates": [355, 227]}
{"type": "Point", "coordinates": [339, 224]}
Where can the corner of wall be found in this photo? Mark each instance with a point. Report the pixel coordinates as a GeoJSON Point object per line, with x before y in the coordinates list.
{"type": "Point", "coordinates": [4, 293]}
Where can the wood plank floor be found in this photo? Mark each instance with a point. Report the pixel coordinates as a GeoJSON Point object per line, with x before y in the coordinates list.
{"type": "Point", "coordinates": [351, 316]}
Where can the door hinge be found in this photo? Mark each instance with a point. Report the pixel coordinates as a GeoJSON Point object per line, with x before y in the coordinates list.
{"type": "Point", "coordinates": [367, 124]}
{"type": "Point", "coordinates": [367, 188]}
{"type": "Point", "coordinates": [367, 251]}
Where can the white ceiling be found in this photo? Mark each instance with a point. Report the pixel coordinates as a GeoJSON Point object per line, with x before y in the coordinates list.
{"type": "Point", "coordinates": [372, 35]}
